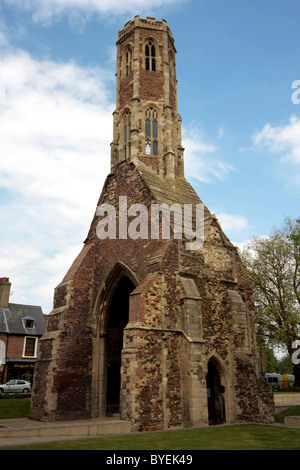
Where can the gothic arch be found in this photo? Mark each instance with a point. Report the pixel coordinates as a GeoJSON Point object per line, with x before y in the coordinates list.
{"type": "Point", "coordinates": [217, 384]}
{"type": "Point", "coordinates": [110, 316]}
{"type": "Point", "coordinates": [151, 129]}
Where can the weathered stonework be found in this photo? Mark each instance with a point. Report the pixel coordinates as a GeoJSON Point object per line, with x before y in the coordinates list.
{"type": "Point", "coordinates": [144, 327]}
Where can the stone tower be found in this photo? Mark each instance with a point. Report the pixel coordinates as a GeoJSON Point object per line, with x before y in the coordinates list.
{"type": "Point", "coordinates": [147, 125]}
{"type": "Point", "coordinates": [141, 325]}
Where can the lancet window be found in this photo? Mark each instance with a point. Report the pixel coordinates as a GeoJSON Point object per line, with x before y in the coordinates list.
{"type": "Point", "coordinates": [128, 60]}
{"type": "Point", "coordinates": [150, 56]}
{"type": "Point", "coordinates": [151, 131]}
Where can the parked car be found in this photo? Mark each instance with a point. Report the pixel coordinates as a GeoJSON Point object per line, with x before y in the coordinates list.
{"type": "Point", "coordinates": [15, 386]}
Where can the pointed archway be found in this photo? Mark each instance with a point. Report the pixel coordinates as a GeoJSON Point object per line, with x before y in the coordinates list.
{"type": "Point", "coordinates": [111, 315]}
{"type": "Point", "coordinates": [117, 319]}
{"type": "Point", "coordinates": [215, 393]}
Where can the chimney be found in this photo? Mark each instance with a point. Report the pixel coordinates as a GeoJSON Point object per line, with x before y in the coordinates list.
{"type": "Point", "coordinates": [4, 291]}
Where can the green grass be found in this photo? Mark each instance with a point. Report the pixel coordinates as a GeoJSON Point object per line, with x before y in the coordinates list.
{"type": "Point", "coordinates": [236, 437]}
{"type": "Point", "coordinates": [289, 390]}
{"type": "Point", "coordinates": [14, 408]}
{"type": "Point", "coordinates": [292, 411]}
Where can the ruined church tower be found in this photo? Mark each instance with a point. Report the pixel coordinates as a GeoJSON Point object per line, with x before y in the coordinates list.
{"type": "Point", "coordinates": [142, 327]}
{"type": "Point", "coordinates": [147, 125]}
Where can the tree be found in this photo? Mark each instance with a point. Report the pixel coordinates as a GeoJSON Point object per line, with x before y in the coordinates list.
{"type": "Point", "coordinates": [285, 365]}
{"type": "Point", "coordinates": [294, 236]}
{"type": "Point", "coordinates": [273, 265]}
{"type": "Point", "coordinates": [271, 360]}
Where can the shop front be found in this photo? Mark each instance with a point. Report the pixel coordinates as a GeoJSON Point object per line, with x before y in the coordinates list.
{"type": "Point", "coordinates": [19, 369]}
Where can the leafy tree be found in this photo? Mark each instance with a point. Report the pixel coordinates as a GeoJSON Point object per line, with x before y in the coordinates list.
{"type": "Point", "coordinates": [294, 237]}
{"type": "Point", "coordinates": [271, 360]}
{"type": "Point", "coordinates": [285, 365]}
{"type": "Point", "coordinates": [273, 265]}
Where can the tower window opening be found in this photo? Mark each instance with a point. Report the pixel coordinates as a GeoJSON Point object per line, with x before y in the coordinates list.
{"type": "Point", "coordinates": [127, 135]}
{"type": "Point", "coordinates": [128, 58]}
{"type": "Point", "coordinates": [150, 56]}
{"type": "Point", "coordinates": [148, 128]}
{"type": "Point", "coordinates": [154, 129]}
{"type": "Point", "coordinates": [151, 132]}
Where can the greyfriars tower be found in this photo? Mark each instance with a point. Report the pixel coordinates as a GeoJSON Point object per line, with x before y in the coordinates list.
{"type": "Point", "coordinates": [141, 326]}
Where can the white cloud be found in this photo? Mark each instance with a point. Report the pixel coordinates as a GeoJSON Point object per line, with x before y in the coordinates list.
{"type": "Point", "coordinates": [232, 223]}
{"type": "Point", "coordinates": [55, 133]}
{"type": "Point", "coordinates": [33, 274]}
{"type": "Point", "coordinates": [45, 10]}
{"type": "Point", "coordinates": [283, 139]}
{"type": "Point", "coordinates": [200, 157]}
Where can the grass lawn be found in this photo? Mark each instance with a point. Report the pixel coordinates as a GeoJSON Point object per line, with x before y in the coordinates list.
{"type": "Point", "coordinates": [235, 437]}
{"type": "Point", "coordinates": [11, 408]}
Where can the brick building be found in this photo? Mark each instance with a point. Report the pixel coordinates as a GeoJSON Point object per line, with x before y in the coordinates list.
{"type": "Point", "coordinates": [143, 324]}
{"type": "Point", "coordinates": [21, 326]}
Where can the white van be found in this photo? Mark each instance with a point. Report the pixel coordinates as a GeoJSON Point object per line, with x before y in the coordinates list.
{"type": "Point", "coordinates": [274, 380]}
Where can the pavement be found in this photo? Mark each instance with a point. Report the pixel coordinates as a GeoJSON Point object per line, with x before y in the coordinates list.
{"type": "Point", "coordinates": [24, 431]}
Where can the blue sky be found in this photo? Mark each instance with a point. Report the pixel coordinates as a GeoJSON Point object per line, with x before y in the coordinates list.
{"type": "Point", "coordinates": [236, 63]}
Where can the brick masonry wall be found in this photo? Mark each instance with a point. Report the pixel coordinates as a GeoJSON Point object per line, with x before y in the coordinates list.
{"type": "Point", "coordinates": [167, 344]}
{"type": "Point", "coordinates": [15, 345]}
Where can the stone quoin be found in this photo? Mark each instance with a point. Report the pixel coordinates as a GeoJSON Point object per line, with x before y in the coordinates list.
{"type": "Point", "coordinates": [144, 328]}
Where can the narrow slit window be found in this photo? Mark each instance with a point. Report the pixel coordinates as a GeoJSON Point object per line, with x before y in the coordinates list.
{"type": "Point", "coordinates": [127, 135]}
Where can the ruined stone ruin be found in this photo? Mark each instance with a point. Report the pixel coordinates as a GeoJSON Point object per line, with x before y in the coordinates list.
{"type": "Point", "coordinates": [149, 327]}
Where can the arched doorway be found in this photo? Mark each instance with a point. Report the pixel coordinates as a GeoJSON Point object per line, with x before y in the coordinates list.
{"type": "Point", "coordinates": [117, 319]}
{"type": "Point", "coordinates": [110, 316]}
{"type": "Point", "coordinates": [215, 394]}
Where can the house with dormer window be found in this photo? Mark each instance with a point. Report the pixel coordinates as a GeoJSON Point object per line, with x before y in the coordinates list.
{"type": "Point", "coordinates": [21, 326]}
